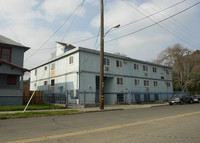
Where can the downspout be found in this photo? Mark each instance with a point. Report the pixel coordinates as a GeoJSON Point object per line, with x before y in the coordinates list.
{"type": "Point", "coordinates": [79, 73]}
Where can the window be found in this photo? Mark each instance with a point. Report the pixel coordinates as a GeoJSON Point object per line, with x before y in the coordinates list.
{"type": "Point", "coordinates": [52, 82]}
{"type": "Point", "coordinates": [53, 66]}
{"type": "Point", "coordinates": [5, 54]}
{"type": "Point", "coordinates": [145, 68]}
{"type": "Point", "coordinates": [162, 77]}
{"type": "Point", "coordinates": [71, 60]}
{"type": "Point", "coordinates": [155, 84]}
{"type": "Point", "coordinates": [154, 69]}
{"type": "Point", "coordinates": [35, 72]}
{"type": "Point", "coordinates": [119, 81]}
{"type": "Point", "coordinates": [35, 84]}
{"type": "Point", "coordinates": [167, 71]}
{"type": "Point", "coordinates": [137, 82]}
{"type": "Point", "coordinates": [118, 63]}
{"type": "Point", "coordinates": [106, 62]}
{"type": "Point", "coordinates": [168, 84]}
{"type": "Point", "coordinates": [146, 83]}
{"type": "Point", "coordinates": [136, 67]}
{"type": "Point", "coordinates": [45, 67]}
{"type": "Point", "coordinates": [45, 82]}
{"type": "Point", "coordinates": [12, 80]}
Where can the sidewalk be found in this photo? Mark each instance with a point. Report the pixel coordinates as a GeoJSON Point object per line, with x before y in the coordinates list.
{"type": "Point", "coordinates": [96, 109]}
{"type": "Point", "coordinates": [122, 107]}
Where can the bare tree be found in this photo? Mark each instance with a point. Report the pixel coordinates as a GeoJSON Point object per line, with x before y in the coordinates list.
{"type": "Point", "coordinates": [185, 65]}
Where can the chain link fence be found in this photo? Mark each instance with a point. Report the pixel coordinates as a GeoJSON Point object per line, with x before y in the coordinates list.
{"type": "Point", "coordinates": [91, 98]}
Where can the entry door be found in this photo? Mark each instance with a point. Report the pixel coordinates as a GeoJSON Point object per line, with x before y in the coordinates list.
{"type": "Point", "coordinates": [120, 98]}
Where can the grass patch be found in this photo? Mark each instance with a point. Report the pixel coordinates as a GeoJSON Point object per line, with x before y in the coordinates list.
{"type": "Point", "coordinates": [30, 107]}
{"type": "Point", "coordinates": [37, 114]}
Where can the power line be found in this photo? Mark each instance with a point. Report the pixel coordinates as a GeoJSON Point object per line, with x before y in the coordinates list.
{"type": "Point", "coordinates": [152, 24]}
{"type": "Point", "coordinates": [80, 5]}
{"type": "Point", "coordinates": [153, 13]}
{"type": "Point", "coordinates": [132, 22]}
{"type": "Point", "coordinates": [184, 28]}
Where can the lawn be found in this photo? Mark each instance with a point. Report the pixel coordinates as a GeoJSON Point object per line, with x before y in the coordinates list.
{"type": "Point", "coordinates": [30, 107]}
{"type": "Point", "coordinates": [37, 114]}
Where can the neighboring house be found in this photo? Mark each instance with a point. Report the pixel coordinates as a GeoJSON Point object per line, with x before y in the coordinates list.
{"type": "Point", "coordinates": [77, 68]}
{"type": "Point", "coordinates": [11, 71]}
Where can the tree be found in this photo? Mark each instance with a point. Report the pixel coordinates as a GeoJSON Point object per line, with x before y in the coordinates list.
{"type": "Point", "coordinates": [185, 64]}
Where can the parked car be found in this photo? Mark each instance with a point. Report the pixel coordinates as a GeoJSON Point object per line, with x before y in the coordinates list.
{"type": "Point", "coordinates": [174, 100]}
{"type": "Point", "coordinates": [196, 98]}
{"type": "Point", "coordinates": [186, 99]}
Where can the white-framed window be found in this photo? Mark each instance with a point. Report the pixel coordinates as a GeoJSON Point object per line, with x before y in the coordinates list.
{"type": "Point", "coordinates": [106, 62]}
{"type": "Point", "coordinates": [35, 84]}
{"type": "Point", "coordinates": [167, 72]}
{"type": "Point", "coordinates": [71, 60]}
{"type": "Point", "coordinates": [145, 68]}
{"type": "Point", "coordinates": [146, 83]}
{"type": "Point", "coordinates": [45, 82]}
{"type": "Point", "coordinates": [168, 84]}
{"type": "Point", "coordinates": [120, 81]}
{"type": "Point", "coordinates": [136, 67]}
{"type": "Point", "coordinates": [136, 82]}
{"type": "Point", "coordinates": [45, 67]}
{"type": "Point", "coordinates": [52, 82]}
{"type": "Point", "coordinates": [35, 72]}
{"type": "Point", "coordinates": [154, 69]}
{"type": "Point", "coordinates": [118, 63]}
{"type": "Point", "coordinates": [53, 66]}
{"type": "Point", "coordinates": [155, 83]}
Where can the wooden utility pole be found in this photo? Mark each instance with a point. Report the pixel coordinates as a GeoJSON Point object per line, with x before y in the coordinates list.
{"type": "Point", "coordinates": [101, 88]}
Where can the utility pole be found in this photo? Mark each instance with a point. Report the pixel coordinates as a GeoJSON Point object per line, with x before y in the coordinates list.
{"type": "Point", "coordinates": [101, 88]}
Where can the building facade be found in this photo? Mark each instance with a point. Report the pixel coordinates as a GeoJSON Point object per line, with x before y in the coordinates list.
{"type": "Point", "coordinates": [77, 68]}
{"type": "Point", "coordinates": [11, 71]}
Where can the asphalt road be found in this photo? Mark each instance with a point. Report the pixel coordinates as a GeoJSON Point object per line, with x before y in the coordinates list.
{"type": "Point", "coordinates": [178, 123]}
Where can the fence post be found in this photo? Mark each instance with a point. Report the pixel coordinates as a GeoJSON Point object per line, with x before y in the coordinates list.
{"type": "Point", "coordinates": [66, 101]}
{"type": "Point", "coordinates": [84, 94]}
{"type": "Point", "coordinates": [131, 97]}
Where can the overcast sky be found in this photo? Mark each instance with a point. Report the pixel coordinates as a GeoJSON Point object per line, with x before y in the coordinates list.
{"type": "Point", "coordinates": [33, 23]}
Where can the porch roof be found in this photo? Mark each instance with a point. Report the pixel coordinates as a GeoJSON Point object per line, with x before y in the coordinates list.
{"type": "Point", "coordinates": [13, 65]}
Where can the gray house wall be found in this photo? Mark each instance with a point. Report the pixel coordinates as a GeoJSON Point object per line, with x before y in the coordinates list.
{"type": "Point", "coordinates": [12, 94]}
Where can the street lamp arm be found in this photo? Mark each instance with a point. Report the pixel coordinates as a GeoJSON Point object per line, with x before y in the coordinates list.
{"type": "Point", "coordinates": [117, 26]}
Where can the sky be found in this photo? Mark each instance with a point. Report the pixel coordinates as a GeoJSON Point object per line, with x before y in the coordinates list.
{"type": "Point", "coordinates": [146, 26]}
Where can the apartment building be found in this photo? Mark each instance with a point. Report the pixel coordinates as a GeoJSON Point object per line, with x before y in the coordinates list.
{"type": "Point", "coordinates": [77, 68]}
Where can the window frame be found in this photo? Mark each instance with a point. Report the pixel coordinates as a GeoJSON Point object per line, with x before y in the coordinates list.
{"type": "Point", "coordinates": [168, 84]}
{"type": "Point", "coordinates": [136, 67]}
{"type": "Point", "coordinates": [119, 65]}
{"type": "Point", "coordinates": [167, 72]}
{"type": "Point", "coordinates": [45, 82]}
{"type": "Point", "coordinates": [71, 60]}
{"type": "Point", "coordinates": [12, 80]}
{"type": "Point", "coordinates": [1, 53]}
{"type": "Point", "coordinates": [120, 81]}
{"type": "Point", "coordinates": [138, 83]}
{"type": "Point", "coordinates": [52, 85]}
{"type": "Point", "coordinates": [145, 82]}
{"type": "Point", "coordinates": [154, 69]}
{"type": "Point", "coordinates": [105, 63]}
{"type": "Point", "coordinates": [155, 85]}
{"type": "Point", "coordinates": [145, 68]}
{"type": "Point", "coordinates": [53, 66]}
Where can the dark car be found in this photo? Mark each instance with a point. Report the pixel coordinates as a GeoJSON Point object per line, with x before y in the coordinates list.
{"type": "Point", "coordinates": [196, 99]}
{"type": "Point", "coordinates": [186, 99]}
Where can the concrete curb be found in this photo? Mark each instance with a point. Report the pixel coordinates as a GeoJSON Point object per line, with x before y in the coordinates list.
{"type": "Point", "coordinates": [96, 109]}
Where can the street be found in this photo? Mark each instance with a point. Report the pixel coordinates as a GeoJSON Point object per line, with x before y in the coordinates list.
{"type": "Point", "coordinates": [177, 123]}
